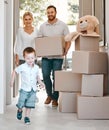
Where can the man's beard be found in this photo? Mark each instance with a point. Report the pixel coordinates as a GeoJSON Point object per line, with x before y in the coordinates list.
{"type": "Point", "coordinates": [51, 18]}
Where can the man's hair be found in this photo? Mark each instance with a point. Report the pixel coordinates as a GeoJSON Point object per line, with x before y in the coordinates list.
{"type": "Point", "coordinates": [28, 50]}
{"type": "Point", "coordinates": [51, 6]}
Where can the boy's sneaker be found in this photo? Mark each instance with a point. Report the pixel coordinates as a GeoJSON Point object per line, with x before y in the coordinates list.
{"type": "Point", "coordinates": [19, 114]}
{"type": "Point", "coordinates": [27, 120]}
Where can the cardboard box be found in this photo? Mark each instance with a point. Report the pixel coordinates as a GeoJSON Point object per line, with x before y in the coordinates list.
{"type": "Point", "coordinates": [49, 46]}
{"type": "Point", "coordinates": [92, 85]}
{"type": "Point", "coordinates": [67, 102]}
{"type": "Point", "coordinates": [87, 43]}
{"type": "Point", "coordinates": [67, 81]}
{"type": "Point", "coordinates": [92, 107]}
{"type": "Point", "coordinates": [89, 62]}
{"type": "Point", "coordinates": [106, 91]}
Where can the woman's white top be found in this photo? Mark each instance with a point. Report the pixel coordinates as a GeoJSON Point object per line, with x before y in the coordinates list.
{"type": "Point", "coordinates": [28, 76]}
{"type": "Point", "coordinates": [23, 40]}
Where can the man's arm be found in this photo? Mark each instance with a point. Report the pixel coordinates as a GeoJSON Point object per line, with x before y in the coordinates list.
{"type": "Point", "coordinates": [67, 46]}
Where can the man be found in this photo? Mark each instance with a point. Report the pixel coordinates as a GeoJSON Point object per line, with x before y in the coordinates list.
{"type": "Point", "coordinates": [52, 27]}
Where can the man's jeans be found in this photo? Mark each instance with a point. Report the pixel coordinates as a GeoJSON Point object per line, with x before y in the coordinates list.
{"type": "Point", "coordinates": [48, 68]}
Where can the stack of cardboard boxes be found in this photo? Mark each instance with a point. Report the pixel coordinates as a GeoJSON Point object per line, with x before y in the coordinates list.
{"type": "Point", "coordinates": [69, 85]}
{"type": "Point", "coordinates": [83, 89]}
{"type": "Point", "coordinates": [91, 66]}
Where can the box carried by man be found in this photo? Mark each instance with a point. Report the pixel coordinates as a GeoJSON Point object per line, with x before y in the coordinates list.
{"type": "Point", "coordinates": [50, 46]}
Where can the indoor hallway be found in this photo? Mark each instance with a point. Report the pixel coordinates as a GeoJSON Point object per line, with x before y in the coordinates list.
{"type": "Point", "coordinates": [44, 117]}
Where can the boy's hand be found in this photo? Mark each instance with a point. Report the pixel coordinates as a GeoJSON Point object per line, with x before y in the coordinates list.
{"type": "Point", "coordinates": [42, 85]}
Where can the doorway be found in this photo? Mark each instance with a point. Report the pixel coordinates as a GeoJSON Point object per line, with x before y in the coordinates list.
{"type": "Point", "coordinates": [67, 11]}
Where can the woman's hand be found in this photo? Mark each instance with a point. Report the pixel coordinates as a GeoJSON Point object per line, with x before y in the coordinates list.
{"type": "Point", "coordinates": [16, 60]}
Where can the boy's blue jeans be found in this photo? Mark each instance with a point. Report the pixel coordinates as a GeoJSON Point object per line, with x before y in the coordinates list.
{"type": "Point", "coordinates": [49, 66]}
{"type": "Point", "coordinates": [26, 99]}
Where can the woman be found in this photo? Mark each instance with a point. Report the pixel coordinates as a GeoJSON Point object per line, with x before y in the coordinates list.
{"type": "Point", "coordinates": [25, 37]}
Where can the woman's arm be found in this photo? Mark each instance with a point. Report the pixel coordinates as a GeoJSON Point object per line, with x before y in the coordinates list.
{"type": "Point", "coordinates": [16, 59]}
{"type": "Point", "coordinates": [12, 78]}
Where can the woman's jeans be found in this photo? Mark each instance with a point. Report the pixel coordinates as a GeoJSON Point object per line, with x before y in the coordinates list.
{"type": "Point", "coordinates": [49, 66]}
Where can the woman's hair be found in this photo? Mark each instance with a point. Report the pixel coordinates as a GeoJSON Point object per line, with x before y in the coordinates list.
{"type": "Point", "coordinates": [28, 50]}
{"type": "Point", "coordinates": [28, 13]}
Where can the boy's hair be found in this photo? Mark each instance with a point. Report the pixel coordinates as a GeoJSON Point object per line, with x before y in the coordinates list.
{"type": "Point", "coordinates": [51, 6]}
{"type": "Point", "coordinates": [28, 50]}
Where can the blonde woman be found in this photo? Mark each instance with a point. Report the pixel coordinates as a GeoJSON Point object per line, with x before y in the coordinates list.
{"type": "Point", "coordinates": [25, 37]}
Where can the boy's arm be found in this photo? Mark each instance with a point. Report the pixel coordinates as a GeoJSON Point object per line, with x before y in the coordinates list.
{"type": "Point", "coordinates": [12, 78]}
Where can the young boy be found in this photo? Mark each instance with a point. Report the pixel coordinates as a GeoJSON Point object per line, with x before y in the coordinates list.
{"type": "Point", "coordinates": [29, 77]}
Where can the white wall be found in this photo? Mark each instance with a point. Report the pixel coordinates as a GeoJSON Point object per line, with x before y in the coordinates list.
{"type": "Point", "coordinates": [2, 60]}
{"type": "Point", "coordinates": [107, 21]}
{"type": "Point", "coordinates": [9, 49]}
{"type": "Point", "coordinates": [107, 33]}
{"type": "Point", "coordinates": [6, 52]}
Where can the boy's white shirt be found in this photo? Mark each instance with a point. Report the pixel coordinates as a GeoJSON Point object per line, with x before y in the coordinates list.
{"type": "Point", "coordinates": [29, 76]}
